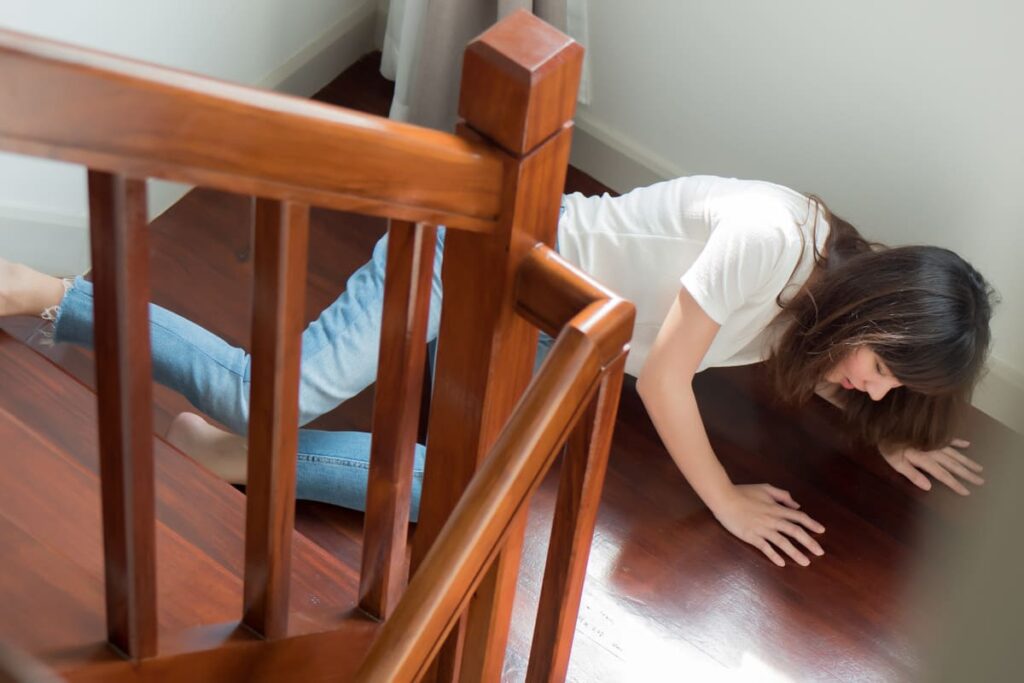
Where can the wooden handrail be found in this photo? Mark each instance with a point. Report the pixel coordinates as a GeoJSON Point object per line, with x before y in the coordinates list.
{"type": "Point", "coordinates": [140, 120]}
{"type": "Point", "coordinates": [524, 452]}
{"type": "Point", "coordinates": [550, 293]}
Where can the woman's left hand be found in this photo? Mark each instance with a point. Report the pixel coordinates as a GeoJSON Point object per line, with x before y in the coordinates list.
{"type": "Point", "coordinates": [941, 464]}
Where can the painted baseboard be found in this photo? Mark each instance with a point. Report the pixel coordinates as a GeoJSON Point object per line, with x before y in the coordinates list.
{"type": "Point", "coordinates": [58, 243]}
{"type": "Point", "coordinates": [621, 164]}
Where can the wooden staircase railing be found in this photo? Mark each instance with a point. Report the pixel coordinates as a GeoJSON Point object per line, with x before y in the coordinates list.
{"type": "Point", "coordinates": [577, 391]}
{"type": "Point", "coordinates": [496, 187]}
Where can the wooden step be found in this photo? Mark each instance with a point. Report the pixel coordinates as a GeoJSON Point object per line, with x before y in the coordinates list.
{"type": "Point", "coordinates": [51, 586]}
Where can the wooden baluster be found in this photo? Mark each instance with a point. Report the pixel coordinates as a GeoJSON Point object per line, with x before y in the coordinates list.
{"type": "Point", "coordinates": [280, 254]}
{"type": "Point", "coordinates": [519, 84]}
{"type": "Point", "coordinates": [579, 492]}
{"type": "Point", "coordinates": [400, 376]}
{"type": "Point", "coordinates": [120, 266]}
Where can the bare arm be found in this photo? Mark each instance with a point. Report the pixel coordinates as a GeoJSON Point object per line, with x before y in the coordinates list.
{"type": "Point", "coordinates": [665, 385]}
{"type": "Point", "coordinates": [761, 515]}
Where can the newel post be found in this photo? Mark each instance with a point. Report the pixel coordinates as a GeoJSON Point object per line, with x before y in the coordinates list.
{"type": "Point", "coordinates": [519, 84]}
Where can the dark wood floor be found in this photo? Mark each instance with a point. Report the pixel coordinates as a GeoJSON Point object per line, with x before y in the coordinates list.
{"type": "Point", "coordinates": [670, 595]}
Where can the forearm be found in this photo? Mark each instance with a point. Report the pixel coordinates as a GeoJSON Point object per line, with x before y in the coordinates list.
{"type": "Point", "coordinates": [675, 415]}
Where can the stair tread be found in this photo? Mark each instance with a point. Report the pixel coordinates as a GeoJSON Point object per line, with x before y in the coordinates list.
{"type": "Point", "coordinates": [51, 589]}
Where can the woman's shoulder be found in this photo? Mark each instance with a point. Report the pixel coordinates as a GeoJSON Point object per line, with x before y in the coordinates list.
{"type": "Point", "coordinates": [767, 212]}
{"type": "Point", "coordinates": [756, 201]}
{"type": "Point", "coordinates": [693, 207]}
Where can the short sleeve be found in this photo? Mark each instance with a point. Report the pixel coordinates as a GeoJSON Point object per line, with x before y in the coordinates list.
{"type": "Point", "coordinates": [738, 263]}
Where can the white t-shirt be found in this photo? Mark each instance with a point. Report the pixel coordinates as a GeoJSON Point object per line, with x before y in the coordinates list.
{"type": "Point", "coordinates": [733, 244]}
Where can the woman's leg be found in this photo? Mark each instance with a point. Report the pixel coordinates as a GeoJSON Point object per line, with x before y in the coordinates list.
{"type": "Point", "coordinates": [332, 467]}
{"type": "Point", "coordinates": [208, 371]}
{"type": "Point", "coordinates": [25, 291]}
{"type": "Point", "coordinates": [339, 349]}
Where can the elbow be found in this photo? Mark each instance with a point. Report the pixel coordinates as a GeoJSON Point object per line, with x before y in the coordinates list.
{"type": "Point", "coordinates": [651, 385]}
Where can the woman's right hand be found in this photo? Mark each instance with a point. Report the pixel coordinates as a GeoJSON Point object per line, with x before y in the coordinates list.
{"type": "Point", "coordinates": [767, 518]}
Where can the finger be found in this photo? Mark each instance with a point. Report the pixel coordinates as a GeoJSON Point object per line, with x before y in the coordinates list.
{"type": "Point", "coordinates": [803, 518]}
{"type": "Point", "coordinates": [963, 459]}
{"type": "Point", "coordinates": [960, 443]}
{"type": "Point", "coordinates": [916, 478]}
{"type": "Point", "coordinates": [954, 466]}
{"type": "Point", "coordinates": [798, 533]}
{"type": "Point", "coordinates": [780, 496]}
{"type": "Point", "coordinates": [932, 467]}
{"type": "Point", "coordinates": [766, 548]}
{"type": "Point", "coordinates": [785, 546]}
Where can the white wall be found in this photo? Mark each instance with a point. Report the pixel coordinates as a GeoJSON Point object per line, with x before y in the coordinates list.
{"type": "Point", "coordinates": [295, 46]}
{"type": "Point", "coordinates": [905, 116]}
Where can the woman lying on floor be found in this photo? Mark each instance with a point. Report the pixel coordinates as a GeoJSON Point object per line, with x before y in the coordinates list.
{"type": "Point", "coordinates": [722, 271]}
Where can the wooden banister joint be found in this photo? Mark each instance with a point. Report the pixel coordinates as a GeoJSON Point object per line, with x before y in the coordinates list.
{"type": "Point", "coordinates": [550, 292]}
{"type": "Point", "coordinates": [473, 538]}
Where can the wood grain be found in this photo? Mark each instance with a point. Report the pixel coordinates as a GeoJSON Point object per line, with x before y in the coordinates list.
{"type": "Point", "coordinates": [519, 83]}
{"type": "Point", "coordinates": [120, 258]}
{"type": "Point", "coordinates": [496, 497]}
{"type": "Point", "coordinates": [485, 352]}
{"type": "Point", "coordinates": [550, 292]}
{"type": "Point", "coordinates": [202, 131]}
{"type": "Point", "coordinates": [400, 375]}
{"type": "Point", "coordinates": [280, 255]}
{"type": "Point", "coordinates": [579, 494]}
{"type": "Point", "coordinates": [52, 585]}
{"type": "Point", "coordinates": [239, 658]}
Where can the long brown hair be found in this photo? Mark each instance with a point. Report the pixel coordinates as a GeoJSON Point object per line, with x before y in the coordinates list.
{"type": "Point", "coordinates": [923, 310]}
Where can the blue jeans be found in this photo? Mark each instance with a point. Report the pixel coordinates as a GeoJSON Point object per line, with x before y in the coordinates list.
{"type": "Point", "coordinates": [339, 359]}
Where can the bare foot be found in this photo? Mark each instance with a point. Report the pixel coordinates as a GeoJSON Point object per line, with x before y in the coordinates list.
{"type": "Point", "coordinates": [24, 291]}
{"type": "Point", "coordinates": [224, 453]}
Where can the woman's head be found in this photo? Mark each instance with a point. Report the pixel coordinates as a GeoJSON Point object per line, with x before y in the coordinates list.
{"type": "Point", "coordinates": [906, 330]}
{"type": "Point", "coordinates": [863, 370]}
{"type": "Point", "coordinates": [923, 311]}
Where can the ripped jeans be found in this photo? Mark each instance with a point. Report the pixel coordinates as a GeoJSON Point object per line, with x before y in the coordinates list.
{"type": "Point", "coordinates": [339, 359]}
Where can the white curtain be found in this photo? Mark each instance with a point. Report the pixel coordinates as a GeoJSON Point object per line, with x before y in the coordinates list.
{"type": "Point", "coordinates": [423, 45]}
